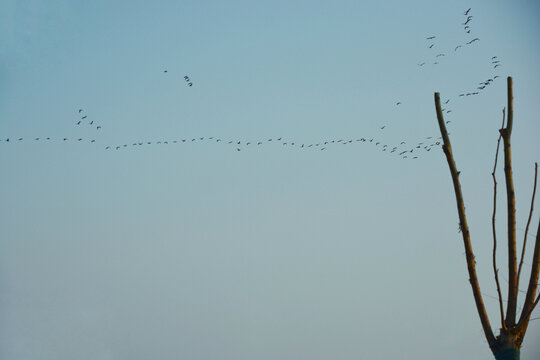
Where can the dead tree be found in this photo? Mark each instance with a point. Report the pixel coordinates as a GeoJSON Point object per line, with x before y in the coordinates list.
{"type": "Point", "coordinates": [513, 328]}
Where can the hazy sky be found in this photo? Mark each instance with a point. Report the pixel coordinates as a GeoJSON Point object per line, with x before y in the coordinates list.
{"type": "Point", "coordinates": [208, 250]}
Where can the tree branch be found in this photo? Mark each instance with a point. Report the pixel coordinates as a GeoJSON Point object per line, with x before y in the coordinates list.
{"type": "Point", "coordinates": [530, 303]}
{"type": "Point", "coordinates": [447, 149]}
{"type": "Point", "coordinates": [495, 270]}
{"type": "Point", "coordinates": [528, 221]}
{"type": "Point", "coordinates": [511, 210]}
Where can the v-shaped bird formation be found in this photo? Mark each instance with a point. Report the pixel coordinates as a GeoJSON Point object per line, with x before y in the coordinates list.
{"type": "Point", "coordinates": [405, 149]}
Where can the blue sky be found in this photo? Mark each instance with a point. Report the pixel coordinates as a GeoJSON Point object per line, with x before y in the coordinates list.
{"type": "Point", "coordinates": [205, 249]}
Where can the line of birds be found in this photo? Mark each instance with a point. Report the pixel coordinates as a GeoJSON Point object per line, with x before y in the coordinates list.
{"type": "Point", "coordinates": [402, 150]}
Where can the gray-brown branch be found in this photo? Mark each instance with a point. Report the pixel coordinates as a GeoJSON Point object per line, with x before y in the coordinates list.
{"type": "Point", "coordinates": [447, 149]}
{"type": "Point", "coordinates": [530, 302]}
{"type": "Point", "coordinates": [511, 212]}
{"type": "Point", "coordinates": [495, 270]}
{"type": "Point", "coordinates": [528, 221]}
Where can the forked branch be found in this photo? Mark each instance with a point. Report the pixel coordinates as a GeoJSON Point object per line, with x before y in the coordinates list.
{"type": "Point", "coordinates": [495, 269]}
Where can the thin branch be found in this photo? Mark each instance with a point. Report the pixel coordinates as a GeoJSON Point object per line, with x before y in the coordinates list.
{"type": "Point", "coordinates": [528, 221]}
{"type": "Point", "coordinates": [529, 303]}
{"type": "Point", "coordinates": [511, 212]}
{"type": "Point", "coordinates": [447, 148]}
{"type": "Point", "coordinates": [495, 270]}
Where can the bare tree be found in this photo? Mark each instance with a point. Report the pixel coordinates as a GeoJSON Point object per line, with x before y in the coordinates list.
{"type": "Point", "coordinates": [508, 343]}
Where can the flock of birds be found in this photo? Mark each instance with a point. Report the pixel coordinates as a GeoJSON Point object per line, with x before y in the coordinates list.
{"type": "Point", "coordinates": [404, 149]}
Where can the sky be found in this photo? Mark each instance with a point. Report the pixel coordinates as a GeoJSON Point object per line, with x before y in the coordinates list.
{"type": "Point", "coordinates": [163, 234]}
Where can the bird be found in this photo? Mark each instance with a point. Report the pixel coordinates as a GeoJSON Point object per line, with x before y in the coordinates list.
{"type": "Point", "coordinates": [449, 111]}
{"type": "Point", "coordinates": [439, 55]}
{"type": "Point", "coordinates": [186, 78]}
{"type": "Point", "coordinates": [382, 127]}
{"type": "Point", "coordinates": [84, 117]}
{"type": "Point", "coordinates": [398, 103]}
{"type": "Point", "coordinates": [93, 141]}
{"type": "Point", "coordinates": [457, 47]}
{"type": "Point", "coordinates": [430, 38]}
{"type": "Point", "coordinates": [430, 46]}
{"type": "Point", "coordinates": [496, 66]}
{"type": "Point", "coordinates": [80, 111]}
{"type": "Point", "coordinates": [92, 122]}
{"type": "Point", "coordinates": [190, 84]}
{"type": "Point", "coordinates": [107, 147]}
{"type": "Point", "coordinates": [164, 71]}
{"type": "Point", "coordinates": [65, 139]}
{"type": "Point", "coordinates": [447, 101]}
{"type": "Point", "coordinates": [422, 64]}
{"type": "Point", "coordinates": [467, 12]}
{"type": "Point", "coordinates": [79, 122]}
{"type": "Point", "coordinates": [473, 40]}
{"type": "Point", "coordinates": [98, 127]}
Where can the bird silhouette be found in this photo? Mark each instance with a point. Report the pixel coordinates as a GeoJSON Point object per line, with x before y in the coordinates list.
{"type": "Point", "coordinates": [430, 38]}
{"type": "Point", "coordinates": [84, 117]}
{"type": "Point", "coordinates": [457, 47]}
{"type": "Point", "coordinates": [467, 12]}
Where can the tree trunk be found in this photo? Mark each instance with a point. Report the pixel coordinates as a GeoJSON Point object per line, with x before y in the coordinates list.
{"type": "Point", "coordinates": [507, 354]}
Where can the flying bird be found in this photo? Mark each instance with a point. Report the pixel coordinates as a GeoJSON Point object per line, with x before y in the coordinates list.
{"type": "Point", "coordinates": [473, 40]}
{"type": "Point", "coordinates": [398, 103]}
{"type": "Point", "coordinates": [467, 12]}
{"type": "Point", "coordinates": [430, 38]}
{"type": "Point", "coordinates": [422, 64]}
{"type": "Point", "coordinates": [430, 46]}
{"type": "Point", "coordinates": [457, 47]}
{"type": "Point", "coordinates": [190, 84]}
{"type": "Point", "coordinates": [84, 117]}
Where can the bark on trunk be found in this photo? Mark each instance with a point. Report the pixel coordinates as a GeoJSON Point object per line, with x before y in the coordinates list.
{"type": "Point", "coordinates": [507, 354]}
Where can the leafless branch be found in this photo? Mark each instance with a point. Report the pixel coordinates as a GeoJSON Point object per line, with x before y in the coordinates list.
{"type": "Point", "coordinates": [511, 212]}
{"type": "Point", "coordinates": [528, 221]}
{"type": "Point", "coordinates": [447, 149]}
{"type": "Point", "coordinates": [495, 270]}
{"type": "Point", "coordinates": [530, 302]}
